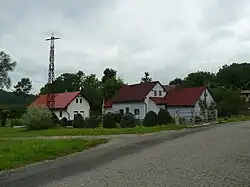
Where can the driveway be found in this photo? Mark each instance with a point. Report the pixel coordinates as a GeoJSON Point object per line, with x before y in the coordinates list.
{"type": "Point", "coordinates": [216, 156]}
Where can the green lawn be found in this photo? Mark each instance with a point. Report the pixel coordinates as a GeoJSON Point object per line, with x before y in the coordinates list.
{"type": "Point", "coordinates": [233, 119]}
{"type": "Point", "coordinates": [15, 153]}
{"type": "Point", "coordinates": [11, 132]}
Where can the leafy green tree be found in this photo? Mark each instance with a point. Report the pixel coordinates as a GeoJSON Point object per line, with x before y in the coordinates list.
{"type": "Point", "coordinates": [176, 81]}
{"type": "Point", "coordinates": [146, 78]}
{"type": "Point", "coordinates": [108, 73]}
{"type": "Point", "coordinates": [200, 78]}
{"type": "Point", "coordinates": [234, 76]}
{"type": "Point", "coordinates": [110, 83]}
{"type": "Point", "coordinates": [23, 87]}
{"type": "Point", "coordinates": [6, 65]}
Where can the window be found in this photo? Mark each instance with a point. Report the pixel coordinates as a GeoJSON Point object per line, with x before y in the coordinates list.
{"type": "Point", "coordinates": [121, 111]}
{"type": "Point", "coordinates": [60, 114]}
{"type": "Point", "coordinates": [136, 111]}
{"type": "Point", "coordinates": [82, 113]}
{"type": "Point", "coordinates": [160, 93]}
{"type": "Point", "coordinates": [155, 93]}
{"type": "Point", "coordinates": [76, 100]}
{"type": "Point", "coordinates": [127, 110]}
{"type": "Point", "coordinates": [75, 112]}
{"type": "Point", "coordinates": [80, 100]}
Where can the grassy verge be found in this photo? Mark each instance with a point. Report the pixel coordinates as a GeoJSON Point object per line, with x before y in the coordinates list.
{"type": "Point", "coordinates": [15, 153]}
{"type": "Point", "coordinates": [11, 132]}
{"type": "Point", "coordinates": [233, 119]}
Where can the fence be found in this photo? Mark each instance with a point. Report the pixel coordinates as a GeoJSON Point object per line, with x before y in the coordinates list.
{"type": "Point", "coordinates": [192, 117]}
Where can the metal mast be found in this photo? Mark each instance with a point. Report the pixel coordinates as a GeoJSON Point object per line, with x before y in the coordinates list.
{"type": "Point", "coordinates": [51, 73]}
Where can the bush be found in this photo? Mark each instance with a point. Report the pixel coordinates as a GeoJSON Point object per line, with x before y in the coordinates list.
{"type": "Point", "coordinates": [78, 121]}
{"type": "Point", "coordinates": [63, 122]}
{"type": "Point", "coordinates": [109, 121]}
{"type": "Point", "coordinates": [118, 117]}
{"type": "Point", "coordinates": [4, 117]}
{"type": "Point", "coordinates": [128, 121]}
{"type": "Point", "coordinates": [55, 118]}
{"type": "Point", "coordinates": [37, 118]}
{"type": "Point", "coordinates": [15, 122]}
{"type": "Point", "coordinates": [164, 117]}
{"type": "Point", "coordinates": [92, 122]}
{"type": "Point", "coordinates": [150, 119]}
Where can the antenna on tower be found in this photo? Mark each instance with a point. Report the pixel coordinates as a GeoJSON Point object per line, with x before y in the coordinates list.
{"type": "Point", "coordinates": [51, 73]}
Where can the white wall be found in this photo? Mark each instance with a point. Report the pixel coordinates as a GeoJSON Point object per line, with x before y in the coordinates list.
{"type": "Point", "coordinates": [157, 88]}
{"type": "Point", "coordinates": [136, 105]}
{"type": "Point", "coordinates": [73, 106]}
{"type": "Point", "coordinates": [184, 111]}
{"type": "Point", "coordinates": [64, 114]}
{"type": "Point", "coordinates": [209, 100]}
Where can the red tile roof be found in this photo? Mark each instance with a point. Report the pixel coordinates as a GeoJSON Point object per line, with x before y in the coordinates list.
{"type": "Point", "coordinates": [176, 96]}
{"type": "Point", "coordinates": [184, 96]}
{"type": "Point", "coordinates": [135, 92]}
{"type": "Point", "coordinates": [62, 100]}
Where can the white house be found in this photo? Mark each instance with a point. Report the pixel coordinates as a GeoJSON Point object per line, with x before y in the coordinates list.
{"type": "Point", "coordinates": [66, 104]}
{"type": "Point", "coordinates": [139, 99]}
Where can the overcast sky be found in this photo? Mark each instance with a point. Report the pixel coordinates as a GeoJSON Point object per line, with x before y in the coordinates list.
{"type": "Point", "coordinates": [164, 37]}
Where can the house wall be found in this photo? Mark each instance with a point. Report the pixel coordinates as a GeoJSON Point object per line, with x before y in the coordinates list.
{"type": "Point", "coordinates": [64, 114]}
{"type": "Point", "coordinates": [209, 100]}
{"type": "Point", "coordinates": [157, 88]}
{"type": "Point", "coordinates": [183, 111]}
{"type": "Point", "coordinates": [73, 108]}
{"type": "Point", "coordinates": [132, 106]}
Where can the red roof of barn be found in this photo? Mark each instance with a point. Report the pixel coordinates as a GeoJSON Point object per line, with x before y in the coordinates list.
{"type": "Point", "coordinates": [184, 96]}
{"type": "Point", "coordinates": [135, 92]}
{"type": "Point", "coordinates": [62, 100]}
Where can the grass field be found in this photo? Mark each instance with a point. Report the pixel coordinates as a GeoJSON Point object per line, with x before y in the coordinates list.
{"type": "Point", "coordinates": [233, 119]}
{"type": "Point", "coordinates": [20, 132]}
{"type": "Point", "coordinates": [16, 153]}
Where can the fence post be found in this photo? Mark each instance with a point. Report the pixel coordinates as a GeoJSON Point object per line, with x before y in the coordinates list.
{"type": "Point", "coordinates": [216, 114]}
{"type": "Point", "coordinates": [193, 116]}
{"type": "Point", "coordinates": [206, 115]}
{"type": "Point", "coordinates": [177, 119]}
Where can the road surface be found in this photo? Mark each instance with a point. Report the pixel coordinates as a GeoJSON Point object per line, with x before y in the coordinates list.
{"type": "Point", "coordinates": [219, 156]}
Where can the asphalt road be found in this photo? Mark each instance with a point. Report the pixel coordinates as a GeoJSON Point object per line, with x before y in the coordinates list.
{"type": "Point", "coordinates": [219, 156]}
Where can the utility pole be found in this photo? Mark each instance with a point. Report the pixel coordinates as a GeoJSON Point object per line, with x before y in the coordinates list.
{"type": "Point", "coordinates": [51, 73]}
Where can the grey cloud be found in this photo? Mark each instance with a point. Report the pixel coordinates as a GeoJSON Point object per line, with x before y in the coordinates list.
{"type": "Point", "coordinates": [168, 38]}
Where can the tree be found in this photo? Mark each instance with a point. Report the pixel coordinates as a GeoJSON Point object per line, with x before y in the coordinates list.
{"type": "Point", "coordinates": [111, 87]}
{"type": "Point", "coordinates": [23, 87]}
{"type": "Point", "coordinates": [110, 83]}
{"type": "Point", "coordinates": [108, 74]}
{"type": "Point", "coordinates": [6, 65]}
{"type": "Point", "coordinates": [176, 81]}
{"type": "Point", "coordinates": [234, 76]}
{"type": "Point", "coordinates": [146, 78]}
{"type": "Point", "coordinates": [200, 78]}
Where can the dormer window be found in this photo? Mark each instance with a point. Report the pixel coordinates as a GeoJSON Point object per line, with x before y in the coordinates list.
{"type": "Point", "coordinates": [160, 93]}
{"type": "Point", "coordinates": [155, 93]}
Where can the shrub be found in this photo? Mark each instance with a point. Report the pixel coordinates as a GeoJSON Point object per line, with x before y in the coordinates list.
{"type": "Point", "coordinates": [37, 118]}
{"type": "Point", "coordinates": [118, 117]}
{"type": "Point", "coordinates": [55, 118]}
{"type": "Point", "coordinates": [92, 122]}
{"type": "Point", "coordinates": [164, 117]}
{"type": "Point", "coordinates": [109, 121]}
{"type": "Point", "coordinates": [4, 117]}
{"type": "Point", "coordinates": [128, 121]}
{"type": "Point", "coordinates": [15, 122]}
{"type": "Point", "coordinates": [63, 122]}
{"type": "Point", "coordinates": [150, 119]}
{"type": "Point", "coordinates": [78, 121]}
